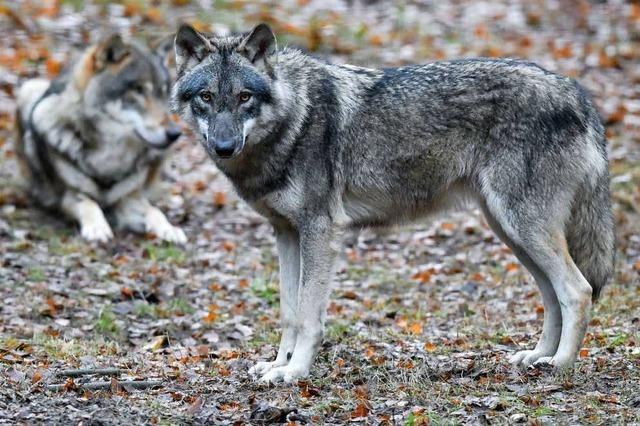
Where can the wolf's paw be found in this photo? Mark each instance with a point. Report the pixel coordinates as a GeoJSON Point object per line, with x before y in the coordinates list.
{"type": "Point", "coordinates": [526, 358]}
{"type": "Point", "coordinates": [96, 230]}
{"type": "Point", "coordinates": [558, 362]}
{"type": "Point", "coordinates": [172, 234]}
{"type": "Point", "coordinates": [287, 374]}
{"type": "Point", "coordinates": [262, 368]}
{"type": "Point", "coordinates": [157, 223]}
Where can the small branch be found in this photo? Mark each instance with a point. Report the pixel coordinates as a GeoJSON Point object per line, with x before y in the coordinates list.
{"type": "Point", "coordinates": [88, 371]}
{"type": "Point", "coordinates": [142, 384]}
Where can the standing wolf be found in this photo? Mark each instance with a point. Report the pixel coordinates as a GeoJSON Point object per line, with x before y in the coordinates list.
{"type": "Point", "coordinates": [95, 138]}
{"type": "Point", "coordinates": [317, 148]}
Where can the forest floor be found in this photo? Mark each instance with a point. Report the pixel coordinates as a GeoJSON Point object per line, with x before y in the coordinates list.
{"type": "Point", "coordinates": [422, 319]}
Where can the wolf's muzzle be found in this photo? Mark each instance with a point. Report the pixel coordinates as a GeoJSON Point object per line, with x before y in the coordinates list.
{"type": "Point", "coordinates": [225, 148]}
{"type": "Point", "coordinates": [173, 133]}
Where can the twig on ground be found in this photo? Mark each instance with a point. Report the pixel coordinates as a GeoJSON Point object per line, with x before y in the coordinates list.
{"type": "Point", "coordinates": [141, 384]}
{"type": "Point", "coordinates": [88, 371]}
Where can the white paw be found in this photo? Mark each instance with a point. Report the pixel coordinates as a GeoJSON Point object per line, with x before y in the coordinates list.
{"type": "Point", "coordinates": [526, 358]}
{"type": "Point", "coordinates": [287, 374]}
{"type": "Point", "coordinates": [157, 223]}
{"type": "Point", "coordinates": [172, 234]}
{"type": "Point", "coordinates": [261, 368]}
{"type": "Point", "coordinates": [558, 362]}
{"type": "Point", "coordinates": [96, 230]}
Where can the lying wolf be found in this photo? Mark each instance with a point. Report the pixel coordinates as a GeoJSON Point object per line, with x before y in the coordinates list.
{"type": "Point", "coordinates": [317, 148]}
{"type": "Point", "coordinates": [95, 137]}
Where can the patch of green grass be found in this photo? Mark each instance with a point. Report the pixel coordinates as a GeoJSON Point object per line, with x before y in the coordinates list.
{"type": "Point", "coordinates": [337, 331]}
{"type": "Point", "coordinates": [35, 273]}
{"type": "Point", "coordinates": [145, 309]}
{"type": "Point", "coordinates": [106, 322]}
{"type": "Point", "coordinates": [63, 349]}
{"type": "Point", "coordinates": [57, 247]}
{"type": "Point", "coordinates": [619, 339]}
{"type": "Point", "coordinates": [266, 290]}
{"type": "Point", "coordinates": [542, 411]}
{"type": "Point", "coordinates": [426, 418]}
{"type": "Point", "coordinates": [179, 306]}
{"type": "Point", "coordinates": [164, 253]}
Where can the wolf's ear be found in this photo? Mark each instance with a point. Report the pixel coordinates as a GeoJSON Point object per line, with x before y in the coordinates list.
{"type": "Point", "coordinates": [259, 45]}
{"type": "Point", "coordinates": [110, 51]}
{"type": "Point", "coordinates": [191, 48]}
{"type": "Point", "coordinates": [162, 47]}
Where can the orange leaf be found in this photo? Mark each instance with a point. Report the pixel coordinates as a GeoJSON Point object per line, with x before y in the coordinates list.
{"type": "Point", "coordinates": [53, 67]}
{"type": "Point", "coordinates": [126, 293]}
{"type": "Point", "coordinates": [430, 347]}
{"type": "Point", "coordinates": [423, 276]}
{"type": "Point", "coordinates": [415, 328]}
{"type": "Point", "coordinates": [219, 199]}
{"type": "Point", "coordinates": [584, 353]}
{"type": "Point", "coordinates": [360, 411]}
{"type": "Point", "coordinates": [511, 267]}
{"type": "Point", "coordinates": [37, 376]}
{"type": "Point", "coordinates": [408, 364]}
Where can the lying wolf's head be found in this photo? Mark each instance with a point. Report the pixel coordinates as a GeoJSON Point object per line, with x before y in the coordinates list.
{"type": "Point", "coordinates": [124, 90]}
{"type": "Point", "coordinates": [227, 88]}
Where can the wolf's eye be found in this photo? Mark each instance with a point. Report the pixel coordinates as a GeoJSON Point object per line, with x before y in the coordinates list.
{"type": "Point", "coordinates": [138, 89]}
{"type": "Point", "coordinates": [205, 96]}
{"type": "Point", "coordinates": [244, 97]}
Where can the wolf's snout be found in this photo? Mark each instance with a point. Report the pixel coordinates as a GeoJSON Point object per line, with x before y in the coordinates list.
{"type": "Point", "coordinates": [173, 133]}
{"type": "Point", "coordinates": [225, 148]}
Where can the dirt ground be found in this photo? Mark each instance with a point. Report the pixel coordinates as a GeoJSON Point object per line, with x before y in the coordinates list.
{"type": "Point", "coordinates": [422, 319]}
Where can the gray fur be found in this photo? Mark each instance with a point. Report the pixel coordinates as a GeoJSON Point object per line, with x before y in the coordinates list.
{"type": "Point", "coordinates": [94, 137]}
{"type": "Point", "coordinates": [320, 148]}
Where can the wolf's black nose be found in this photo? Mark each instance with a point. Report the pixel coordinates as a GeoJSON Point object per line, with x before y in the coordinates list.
{"type": "Point", "coordinates": [225, 148]}
{"type": "Point", "coordinates": [173, 133]}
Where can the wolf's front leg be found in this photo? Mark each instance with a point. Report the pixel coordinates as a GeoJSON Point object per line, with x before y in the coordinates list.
{"type": "Point", "coordinates": [288, 244]}
{"type": "Point", "coordinates": [93, 224]}
{"type": "Point", "coordinates": [136, 213]}
{"type": "Point", "coordinates": [317, 254]}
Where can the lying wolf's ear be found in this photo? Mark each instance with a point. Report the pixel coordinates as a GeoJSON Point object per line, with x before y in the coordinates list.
{"type": "Point", "coordinates": [110, 51]}
{"type": "Point", "coordinates": [162, 47]}
{"type": "Point", "coordinates": [259, 45]}
{"type": "Point", "coordinates": [191, 48]}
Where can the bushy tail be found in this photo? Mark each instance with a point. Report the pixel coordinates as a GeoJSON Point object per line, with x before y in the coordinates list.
{"type": "Point", "coordinates": [590, 233]}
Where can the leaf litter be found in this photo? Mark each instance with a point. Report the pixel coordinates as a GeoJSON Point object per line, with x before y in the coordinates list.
{"type": "Point", "coordinates": [423, 318]}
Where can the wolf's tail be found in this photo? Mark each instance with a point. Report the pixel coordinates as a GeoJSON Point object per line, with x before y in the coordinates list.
{"type": "Point", "coordinates": [590, 232]}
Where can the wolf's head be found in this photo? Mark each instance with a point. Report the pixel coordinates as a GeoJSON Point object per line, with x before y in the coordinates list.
{"type": "Point", "coordinates": [124, 90]}
{"type": "Point", "coordinates": [227, 88]}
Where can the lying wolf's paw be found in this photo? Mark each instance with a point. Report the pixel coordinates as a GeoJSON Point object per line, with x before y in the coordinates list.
{"type": "Point", "coordinates": [96, 230]}
{"type": "Point", "coordinates": [287, 374]}
{"type": "Point", "coordinates": [526, 358]}
{"type": "Point", "coordinates": [157, 223]}
{"type": "Point", "coordinates": [172, 234]}
{"type": "Point", "coordinates": [262, 367]}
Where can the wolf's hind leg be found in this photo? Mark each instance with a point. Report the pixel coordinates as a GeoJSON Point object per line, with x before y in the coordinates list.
{"type": "Point", "coordinates": [288, 244]}
{"type": "Point", "coordinates": [552, 326]}
{"type": "Point", "coordinates": [136, 213]}
{"type": "Point", "coordinates": [93, 224]}
{"type": "Point", "coordinates": [541, 236]}
{"type": "Point", "coordinates": [574, 294]}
